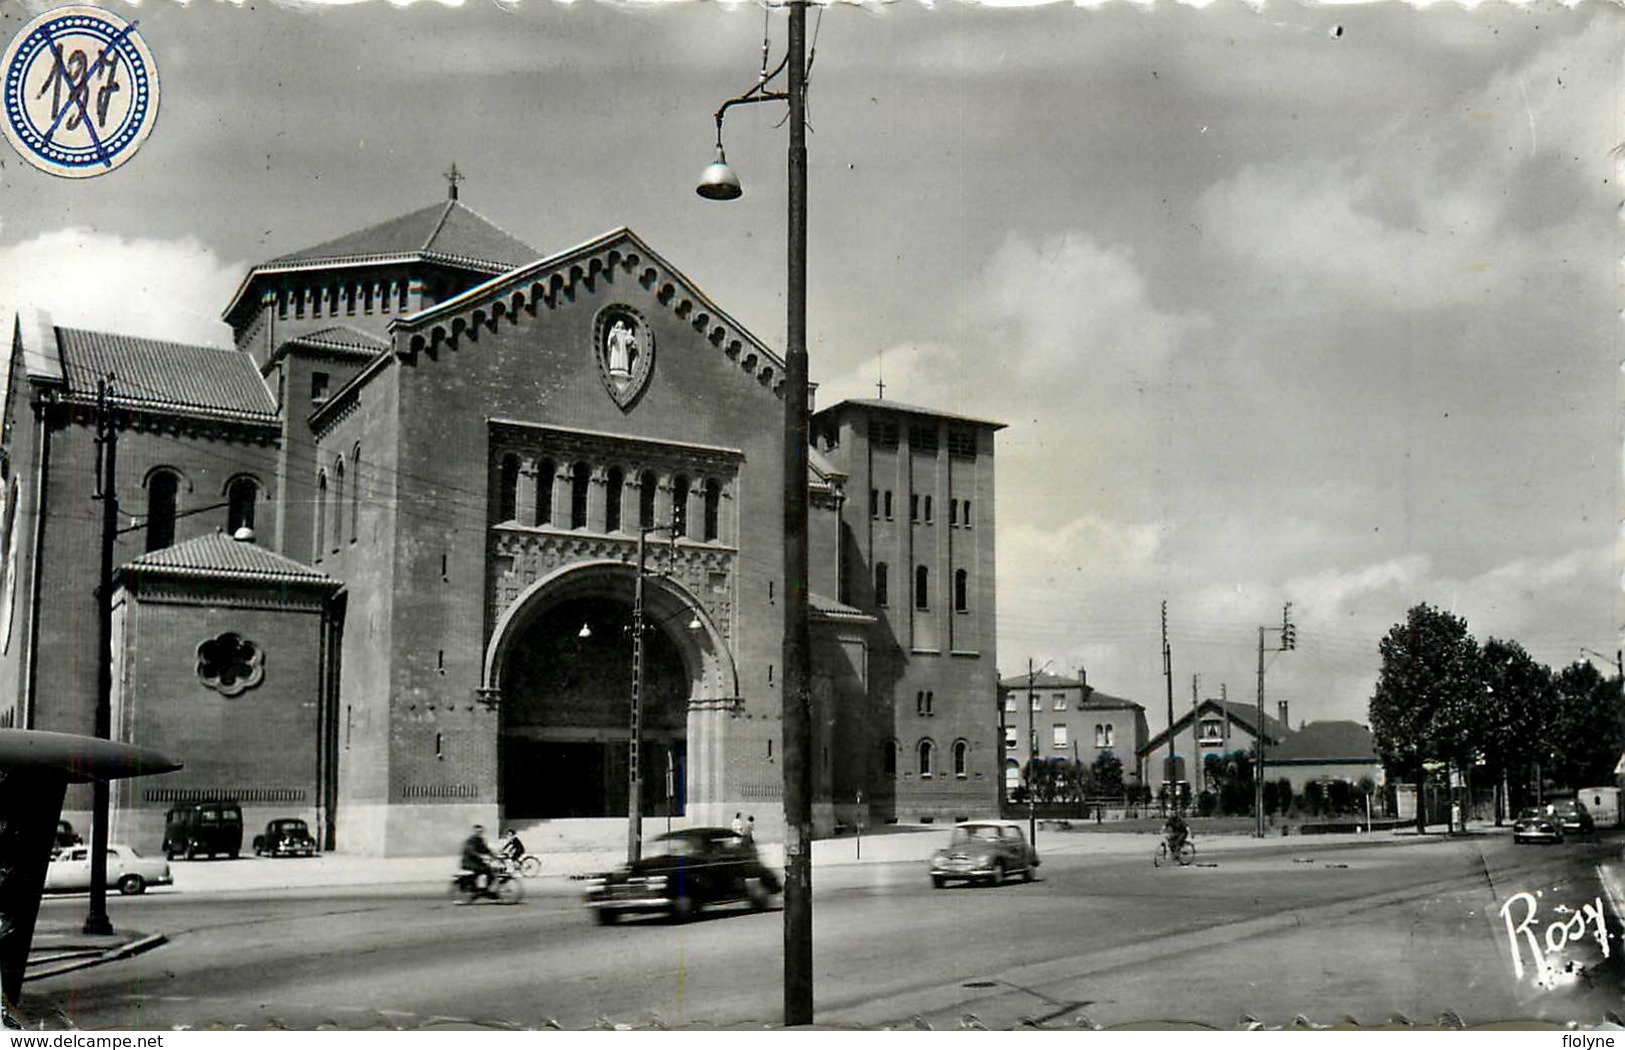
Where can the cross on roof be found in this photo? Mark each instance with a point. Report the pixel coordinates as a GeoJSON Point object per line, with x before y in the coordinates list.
{"type": "Point", "coordinates": [880, 389]}
{"type": "Point", "coordinates": [453, 177]}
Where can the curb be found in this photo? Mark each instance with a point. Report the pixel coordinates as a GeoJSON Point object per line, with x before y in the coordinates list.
{"type": "Point", "coordinates": [68, 960]}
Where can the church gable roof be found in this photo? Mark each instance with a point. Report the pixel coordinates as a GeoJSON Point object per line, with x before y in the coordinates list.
{"type": "Point", "coordinates": [218, 556]}
{"type": "Point", "coordinates": [341, 339]}
{"type": "Point", "coordinates": [160, 376]}
{"type": "Point", "coordinates": [446, 232]}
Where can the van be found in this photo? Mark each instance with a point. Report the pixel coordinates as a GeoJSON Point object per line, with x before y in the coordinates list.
{"type": "Point", "coordinates": [195, 828]}
{"type": "Point", "coordinates": [1604, 805]}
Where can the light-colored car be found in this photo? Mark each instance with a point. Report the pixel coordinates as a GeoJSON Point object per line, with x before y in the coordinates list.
{"type": "Point", "coordinates": [126, 869]}
{"type": "Point", "coordinates": [984, 851]}
{"type": "Point", "coordinates": [1537, 825]}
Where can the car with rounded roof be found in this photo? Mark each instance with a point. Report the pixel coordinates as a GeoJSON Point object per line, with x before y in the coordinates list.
{"type": "Point", "coordinates": [128, 870]}
{"type": "Point", "coordinates": [682, 872]}
{"type": "Point", "coordinates": [984, 851]}
{"type": "Point", "coordinates": [1537, 824]}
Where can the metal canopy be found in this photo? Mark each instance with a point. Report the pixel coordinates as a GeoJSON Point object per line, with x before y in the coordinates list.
{"type": "Point", "coordinates": [80, 758]}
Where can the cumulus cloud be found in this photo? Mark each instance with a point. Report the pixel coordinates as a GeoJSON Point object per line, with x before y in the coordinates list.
{"type": "Point", "coordinates": [161, 289]}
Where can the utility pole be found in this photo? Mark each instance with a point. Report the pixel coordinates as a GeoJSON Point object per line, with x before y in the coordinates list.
{"type": "Point", "coordinates": [1168, 674]}
{"type": "Point", "coordinates": [1196, 743]}
{"type": "Point", "coordinates": [97, 921]}
{"type": "Point", "coordinates": [1032, 758]}
{"type": "Point", "coordinates": [1289, 641]}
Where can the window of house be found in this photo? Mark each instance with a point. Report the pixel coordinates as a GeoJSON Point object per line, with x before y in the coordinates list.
{"type": "Point", "coordinates": [1009, 701]}
{"type": "Point", "coordinates": [922, 587]}
{"type": "Point", "coordinates": [679, 505]}
{"type": "Point", "coordinates": [241, 495]}
{"type": "Point", "coordinates": [962, 443]}
{"type": "Point", "coordinates": [614, 485]}
{"type": "Point", "coordinates": [713, 510]}
{"type": "Point", "coordinates": [318, 385]}
{"type": "Point", "coordinates": [545, 476]}
{"type": "Point", "coordinates": [1058, 736]}
{"type": "Point", "coordinates": [923, 439]}
{"type": "Point", "coordinates": [1103, 735]}
{"type": "Point", "coordinates": [874, 503]}
{"type": "Point", "coordinates": [964, 514]}
{"type": "Point", "coordinates": [961, 591]}
{"type": "Point", "coordinates": [886, 500]}
{"type": "Point", "coordinates": [925, 759]}
{"type": "Point", "coordinates": [338, 503]}
{"type": "Point", "coordinates": [888, 758]}
{"type": "Point", "coordinates": [163, 495]}
{"type": "Point", "coordinates": [953, 512]}
{"type": "Point", "coordinates": [927, 510]}
{"type": "Point", "coordinates": [1212, 729]}
{"type": "Point", "coordinates": [1012, 738]}
{"type": "Point", "coordinates": [580, 485]}
{"type": "Point", "coordinates": [1058, 701]}
{"type": "Point", "coordinates": [647, 484]}
{"type": "Point", "coordinates": [1037, 704]}
{"type": "Point", "coordinates": [882, 585]}
{"type": "Point", "coordinates": [321, 516]}
{"type": "Point", "coordinates": [508, 488]}
{"type": "Point", "coordinates": [961, 758]}
{"type": "Point", "coordinates": [913, 507]}
{"type": "Point", "coordinates": [355, 491]}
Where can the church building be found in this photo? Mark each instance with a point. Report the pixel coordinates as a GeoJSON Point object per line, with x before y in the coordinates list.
{"type": "Point", "coordinates": [377, 564]}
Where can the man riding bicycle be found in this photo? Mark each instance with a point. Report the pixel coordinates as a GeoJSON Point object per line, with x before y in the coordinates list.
{"type": "Point", "coordinates": [477, 858]}
{"type": "Point", "coordinates": [1176, 833]}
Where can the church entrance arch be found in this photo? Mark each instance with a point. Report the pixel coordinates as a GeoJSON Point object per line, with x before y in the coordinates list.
{"type": "Point", "coordinates": [561, 661]}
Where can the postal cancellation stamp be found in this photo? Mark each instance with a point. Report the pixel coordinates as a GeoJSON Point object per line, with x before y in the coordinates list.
{"type": "Point", "coordinates": [81, 91]}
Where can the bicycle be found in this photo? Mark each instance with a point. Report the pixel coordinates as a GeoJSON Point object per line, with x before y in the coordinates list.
{"type": "Point", "coordinates": [1187, 854]}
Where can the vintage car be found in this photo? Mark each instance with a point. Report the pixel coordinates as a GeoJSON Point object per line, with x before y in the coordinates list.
{"type": "Point", "coordinates": [1573, 815]}
{"type": "Point", "coordinates": [984, 851]}
{"type": "Point", "coordinates": [132, 873]}
{"type": "Point", "coordinates": [210, 827]}
{"type": "Point", "coordinates": [682, 872]}
{"type": "Point", "coordinates": [288, 837]}
{"type": "Point", "coordinates": [1537, 825]}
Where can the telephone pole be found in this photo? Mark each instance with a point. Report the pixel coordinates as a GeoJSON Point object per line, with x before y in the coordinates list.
{"type": "Point", "coordinates": [96, 921]}
{"type": "Point", "coordinates": [1289, 641]}
{"type": "Point", "coordinates": [1168, 675]}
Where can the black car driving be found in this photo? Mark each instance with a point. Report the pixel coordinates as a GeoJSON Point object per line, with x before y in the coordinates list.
{"type": "Point", "coordinates": [685, 871]}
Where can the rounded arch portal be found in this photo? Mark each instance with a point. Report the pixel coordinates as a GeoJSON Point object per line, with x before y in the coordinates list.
{"type": "Point", "coordinates": [560, 662]}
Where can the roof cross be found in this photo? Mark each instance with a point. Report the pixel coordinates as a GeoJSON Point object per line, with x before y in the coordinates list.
{"type": "Point", "coordinates": [453, 177]}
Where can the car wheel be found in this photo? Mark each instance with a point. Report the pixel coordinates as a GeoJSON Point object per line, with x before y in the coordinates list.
{"type": "Point", "coordinates": [232, 854]}
{"type": "Point", "coordinates": [605, 916]}
{"type": "Point", "coordinates": [1027, 873]}
{"type": "Point", "coordinates": [938, 881]}
{"type": "Point", "coordinates": [130, 885]}
{"type": "Point", "coordinates": [998, 873]}
{"type": "Point", "coordinates": [191, 851]}
{"type": "Point", "coordinates": [682, 908]}
{"type": "Point", "coordinates": [509, 890]}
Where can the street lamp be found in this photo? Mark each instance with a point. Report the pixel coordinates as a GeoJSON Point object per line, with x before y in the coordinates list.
{"type": "Point", "coordinates": [720, 183]}
{"type": "Point", "coordinates": [1032, 751]}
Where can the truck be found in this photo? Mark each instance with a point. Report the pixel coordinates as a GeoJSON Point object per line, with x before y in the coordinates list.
{"type": "Point", "coordinates": [1603, 803]}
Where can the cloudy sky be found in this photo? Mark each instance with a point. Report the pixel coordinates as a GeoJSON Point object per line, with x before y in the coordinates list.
{"type": "Point", "coordinates": [1294, 303]}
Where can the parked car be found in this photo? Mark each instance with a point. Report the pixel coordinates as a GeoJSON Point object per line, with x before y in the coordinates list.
{"type": "Point", "coordinates": [984, 851]}
{"type": "Point", "coordinates": [288, 837]}
{"type": "Point", "coordinates": [1537, 825]}
{"type": "Point", "coordinates": [1574, 816]}
{"type": "Point", "coordinates": [132, 873]}
{"type": "Point", "coordinates": [210, 828]}
{"type": "Point", "coordinates": [685, 871]}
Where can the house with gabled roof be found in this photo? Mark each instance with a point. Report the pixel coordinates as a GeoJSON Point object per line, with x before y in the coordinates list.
{"type": "Point", "coordinates": [464, 455]}
{"type": "Point", "coordinates": [1326, 751]}
{"type": "Point", "coordinates": [1053, 716]}
{"type": "Point", "coordinates": [1213, 727]}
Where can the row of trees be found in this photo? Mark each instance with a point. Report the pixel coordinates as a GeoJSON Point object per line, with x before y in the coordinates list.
{"type": "Point", "coordinates": [1443, 698]}
{"type": "Point", "coordinates": [1069, 780]}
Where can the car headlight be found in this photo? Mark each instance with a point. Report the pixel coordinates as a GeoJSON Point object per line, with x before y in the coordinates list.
{"type": "Point", "coordinates": [984, 859]}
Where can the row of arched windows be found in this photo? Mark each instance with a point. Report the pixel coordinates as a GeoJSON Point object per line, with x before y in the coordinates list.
{"type": "Point", "coordinates": [922, 587]}
{"type": "Point", "coordinates": [344, 299]}
{"type": "Point", "coordinates": [560, 495]}
{"type": "Point", "coordinates": [925, 757]}
{"type": "Point", "coordinates": [338, 504]}
{"type": "Point", "coordinates": [164, 486]}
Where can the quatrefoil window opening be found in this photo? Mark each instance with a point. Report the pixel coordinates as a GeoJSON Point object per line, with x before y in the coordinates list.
{"type": "Point", "coordinates": [230, 664]}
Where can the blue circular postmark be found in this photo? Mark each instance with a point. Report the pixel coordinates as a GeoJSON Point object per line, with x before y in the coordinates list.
{"type": "Point", "coordinates": [80, 91]}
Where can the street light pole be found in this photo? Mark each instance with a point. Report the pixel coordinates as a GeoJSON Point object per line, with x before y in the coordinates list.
{"type": "Point", "coordinates": [96, 920]}
{"type": "Point", "coordinates": [634, 773]}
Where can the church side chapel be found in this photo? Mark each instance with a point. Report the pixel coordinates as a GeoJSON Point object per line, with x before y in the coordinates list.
{"type": "Point", "coordinates": [379, 558]}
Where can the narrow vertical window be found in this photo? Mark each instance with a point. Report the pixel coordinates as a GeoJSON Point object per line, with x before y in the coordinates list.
{"type": "Point", "coordinates": [163, 493]}
{"type": "Point", "coordinates": [321, 515]}
{"type": "Point", "coordinates": [713, 510]}
{"type": "Point", "coordinates": [882, 585]}
{"type": "Point", "coordinates": [318, 385]}
{"type": "Point", "coordinates": [508, 488]}
{"type": "Point", "coordinates": [544, 491]}
{"type": "Point", "coordinates": [922, 587]}
{"type": "Point", "coordinates": [887, 499]}
{"type": "Point", "coordinates": [961, 591]}
{"type": "Point", "coordinates": [580, 483]}
{"type": "Point", "coordinates": [925, 758]}
{"type": "Point", "coordinates": [679, 505]}
{"type": "Point", "coordinates": [961, 758]}
{"type": "Point", "coordinates": [928, 510]}
{"type": "Point", "coordinates": [888, 758]}
{"type": "Point", "coordinates": [874, 503]}
{"type": "Point", "coordinates": [616, 481]}
{"type": "Point", "coordinates": [338, 503]}
{"type": "Point", "coordinates": [355, 491]}
{"type": "Point", "coordinates": [240, 498]}
{"type": "Point", "coordinates": [647, 484]}
{"type": "Point", "coordinates": [953, 512]}
{"type": "Point", "coordinates": [966, 516]}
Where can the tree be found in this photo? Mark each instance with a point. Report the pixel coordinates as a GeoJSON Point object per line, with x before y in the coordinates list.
{"type": "Point", "coordinates": [1429, 696]}
{"type": "Point", "coordinates": [1108, 773]}
{"type": "Point", "coordinates": [1520, 700]}
{"type": "Point", "coordinates": [1583, 738]}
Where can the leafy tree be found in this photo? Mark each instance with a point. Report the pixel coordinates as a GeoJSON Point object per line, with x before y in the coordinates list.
{"type": "Point", "coordinates": [1520, 700]}
{"type": "Point", "coordinates": [1583, 736]}
{"type": "Point", "coordinates": [1108, 773]}
{"type": "Point", "coordinates": [1314, 793]}
{"type": "Point", "coordinates": [1283, 794]}
{"type": "Point", "coordinates": [1429, 695]}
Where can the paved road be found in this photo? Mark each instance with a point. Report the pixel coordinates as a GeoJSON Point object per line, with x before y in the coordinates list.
{"type": "Point", "coordinates": [1329, 930]}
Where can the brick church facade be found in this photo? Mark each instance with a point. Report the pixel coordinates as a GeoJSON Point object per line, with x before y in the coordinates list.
{"type": "Point", "coordinates": [377, 563]}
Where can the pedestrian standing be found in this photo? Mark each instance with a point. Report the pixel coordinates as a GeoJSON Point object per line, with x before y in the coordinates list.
{"type": "Point", "coordinates": [750, 829]}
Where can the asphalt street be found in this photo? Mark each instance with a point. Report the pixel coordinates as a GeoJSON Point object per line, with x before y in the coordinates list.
{"type": "Point", "coordinates": [1474, 929]}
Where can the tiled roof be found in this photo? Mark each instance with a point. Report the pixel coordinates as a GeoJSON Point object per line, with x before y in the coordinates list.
{"type": "Point", "coordinates": [344, 339]}
{"type": "Point", "coordinates": [447, 231]}
{"type": "Point", "coordinates": [1041, 680]}
{"type": "Point", "coordinates": [217, 555]}
{"type": "Point", "coordinates": [148, 373]}
{"type": "Point", "coordinates": [898, 406]}
{"type": "Point", "coordinates": [1325, 741]}
{"type": "Point", "coordinates": [830, 609]}
{"type": "Point", "coordinates": [1244, 715]}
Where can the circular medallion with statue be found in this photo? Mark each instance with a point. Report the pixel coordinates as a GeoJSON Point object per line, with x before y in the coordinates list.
{"type": "Point", "coordinates": [624, 347]}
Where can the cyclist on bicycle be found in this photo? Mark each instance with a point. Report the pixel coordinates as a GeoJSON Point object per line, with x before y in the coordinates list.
{"type": "Point", "coordinates": [512, 848]}
{"type": "Point", "coordinates": [1175, 833]}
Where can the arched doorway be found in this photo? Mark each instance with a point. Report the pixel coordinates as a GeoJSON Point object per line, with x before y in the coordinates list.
{"type": "Point", "coordinates": [561, 659]}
